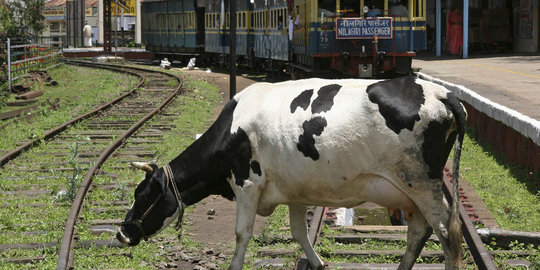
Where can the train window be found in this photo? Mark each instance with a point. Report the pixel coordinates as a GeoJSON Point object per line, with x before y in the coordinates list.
{"type": "Point", "coordinates": [274, 19]}
{"type": "Point", "coordinates": [244, 20]}
{"type": "Point", "coordinates": [160, 20]}
{"type": "Point", "coordinates": [328, 7]}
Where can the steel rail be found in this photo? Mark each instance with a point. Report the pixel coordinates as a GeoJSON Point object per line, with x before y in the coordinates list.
{"type": "Point", "coordinates": [65, 255]}
{"type": "Point", "coordinates": [55, 131]}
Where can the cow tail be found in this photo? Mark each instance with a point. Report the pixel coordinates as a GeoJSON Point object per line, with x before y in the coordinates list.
{"type": "Point", "coordinates": [454, 228]}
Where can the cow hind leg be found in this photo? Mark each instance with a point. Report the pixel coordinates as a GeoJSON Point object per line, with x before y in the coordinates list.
{"type": "Point", "coordinates": [297, 214]}
{"type": "Point", "coordinates": [417, 234]}
{"type": "Point", "coordinates": [446, 226]}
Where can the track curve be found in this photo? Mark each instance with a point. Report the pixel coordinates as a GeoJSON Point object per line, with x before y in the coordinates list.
{"type": "Point", "coordinates": [32, 236]}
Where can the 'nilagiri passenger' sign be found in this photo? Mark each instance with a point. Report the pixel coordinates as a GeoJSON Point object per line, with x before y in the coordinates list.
{"type": "Point", "coordinates": [358, 28]}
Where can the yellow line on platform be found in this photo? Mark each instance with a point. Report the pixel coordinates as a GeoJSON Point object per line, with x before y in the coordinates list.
{"type": "Point", "coordinates": [507, 70]}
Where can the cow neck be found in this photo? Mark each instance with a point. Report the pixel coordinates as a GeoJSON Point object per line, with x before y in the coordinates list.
{"type": "Point", "coordinates": [201, 169]}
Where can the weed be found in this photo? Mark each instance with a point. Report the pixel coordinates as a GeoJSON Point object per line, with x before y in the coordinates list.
{"type": "Point", "coordinates": [172, 82]}
{"type": "Point", "coordinates": [73, 181]}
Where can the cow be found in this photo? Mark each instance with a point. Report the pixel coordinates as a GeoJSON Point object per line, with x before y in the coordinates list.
{"type": "Point", "coordinates": [317, 142]}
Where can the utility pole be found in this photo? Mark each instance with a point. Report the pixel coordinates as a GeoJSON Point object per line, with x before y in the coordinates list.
{"type": "Point", "coordinates": [232, 48]}
{"type": "Point", "coordinates": [107, 13]}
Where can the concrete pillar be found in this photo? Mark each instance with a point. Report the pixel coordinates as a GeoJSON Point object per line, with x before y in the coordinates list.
{"type": "Point", "coordinates": [411, 25]}
{"type": "Point", "coordinates": [438, 27]}
{"type": "Point", "coordinates": [100, 22]}
{"type": "Point", "coordinates": [138, 26]}
{"type": "Point", "coordinates": [465, 28]}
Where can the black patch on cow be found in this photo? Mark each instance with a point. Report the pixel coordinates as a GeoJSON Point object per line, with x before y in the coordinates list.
{"type": "Point", "coordinates": [302, 100]}
{"type": "Point", "coordinates": [325, 98]}
{"type": "Point", "coordinates": [434, 151]}
{"type": "Point", "coordinates": [256, 167]}
{"type": "Point", "coordinates": [399, 101]}
{"type": "Point", "coordinates": [306, 141]}
{"type": "Point", "coordinates": [239, 152]}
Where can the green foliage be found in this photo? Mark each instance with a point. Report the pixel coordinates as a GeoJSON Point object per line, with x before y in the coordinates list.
{"type": "Point", "coordinates": [6, 22]}
{"type": "Point", "coordinates": [22, 18]}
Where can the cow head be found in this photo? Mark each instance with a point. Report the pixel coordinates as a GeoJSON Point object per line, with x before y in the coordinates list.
{"type": "Point", "coordinates": [155, 206]}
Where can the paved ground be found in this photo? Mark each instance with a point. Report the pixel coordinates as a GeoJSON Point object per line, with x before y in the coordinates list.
{"type": "Point", "coordinates": [512, 81]}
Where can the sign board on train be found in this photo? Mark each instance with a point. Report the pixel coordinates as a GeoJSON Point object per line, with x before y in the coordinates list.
{"type": "Point", "coordinates": [364, 28]}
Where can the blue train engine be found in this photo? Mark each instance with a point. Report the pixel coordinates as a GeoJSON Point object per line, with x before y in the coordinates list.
{"type": "Point", "coordinates": [359, 38]}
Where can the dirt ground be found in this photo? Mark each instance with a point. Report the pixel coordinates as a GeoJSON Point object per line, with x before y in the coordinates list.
{"type": "Point", "coordinates": [219, 229]}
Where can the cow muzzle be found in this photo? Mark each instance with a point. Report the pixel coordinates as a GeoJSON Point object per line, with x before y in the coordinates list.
{"type": "Point", "coordinates": [123, 237]}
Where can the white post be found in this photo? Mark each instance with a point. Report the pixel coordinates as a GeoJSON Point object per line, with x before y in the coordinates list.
{"type": "Point", "coordinates": [100, 22]}
{"type": "Point", "coordinates": [138, 23]}
{"type": "Point", "coordinates": [9, 62]}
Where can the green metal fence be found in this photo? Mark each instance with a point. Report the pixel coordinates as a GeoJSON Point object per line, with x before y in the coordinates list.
{"type": "Point", "coordinates": [31, 53]}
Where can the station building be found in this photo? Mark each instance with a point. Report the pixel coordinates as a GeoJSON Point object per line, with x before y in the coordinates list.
{"type": "Point", "coordinates": [56, 16]}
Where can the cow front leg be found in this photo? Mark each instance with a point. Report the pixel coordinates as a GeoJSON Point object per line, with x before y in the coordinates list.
{"type": "Point", "coordinates": [246, 209]}
{"type": "Point", "coordinates": [297, 214]}
{"type": "Point", "coordinates": [418, 233]}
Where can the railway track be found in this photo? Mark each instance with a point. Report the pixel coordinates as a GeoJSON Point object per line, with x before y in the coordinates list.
{"type": "Point", "coordinates": [81, 159]}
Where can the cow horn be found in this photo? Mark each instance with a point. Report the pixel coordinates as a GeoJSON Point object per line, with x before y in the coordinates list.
{"type": "Point", "coordinates": [143, 166]}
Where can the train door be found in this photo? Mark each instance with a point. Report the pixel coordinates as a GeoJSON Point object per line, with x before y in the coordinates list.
{"type": "Point", "coordinates": [199, 14]}
{"type": "Point", "coordinates": [302, 21]}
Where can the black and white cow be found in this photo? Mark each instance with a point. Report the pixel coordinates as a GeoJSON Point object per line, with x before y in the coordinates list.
{"type": "Point", "coordinates": [317, 142]}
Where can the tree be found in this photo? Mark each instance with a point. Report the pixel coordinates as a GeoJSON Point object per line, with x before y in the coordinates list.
{"type": "Point", "coordinates": [33, 14]}
{"type": "Point", "coordinates": [22, 18]}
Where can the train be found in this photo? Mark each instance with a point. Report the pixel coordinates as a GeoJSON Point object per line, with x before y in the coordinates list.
{"type": "Point", "coordinates": [360, 38]}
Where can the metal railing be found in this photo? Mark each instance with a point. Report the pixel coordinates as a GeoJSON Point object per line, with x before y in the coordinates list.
{"type": "Point", "coordinates": [29, 54]}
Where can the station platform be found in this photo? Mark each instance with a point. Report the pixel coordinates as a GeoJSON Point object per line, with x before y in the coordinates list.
{"type": "Point", "coordinates": [512, 81]}
{"type": "Point", "coordinates": [127, 53]}
{"type": "Point", "coordinates": [502, 98]}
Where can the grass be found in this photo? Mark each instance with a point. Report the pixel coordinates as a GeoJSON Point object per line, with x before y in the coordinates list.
{"type": "Point", "coordinates": [509, 192]}
{"type": "Point", "coordinates": [79, 91]}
